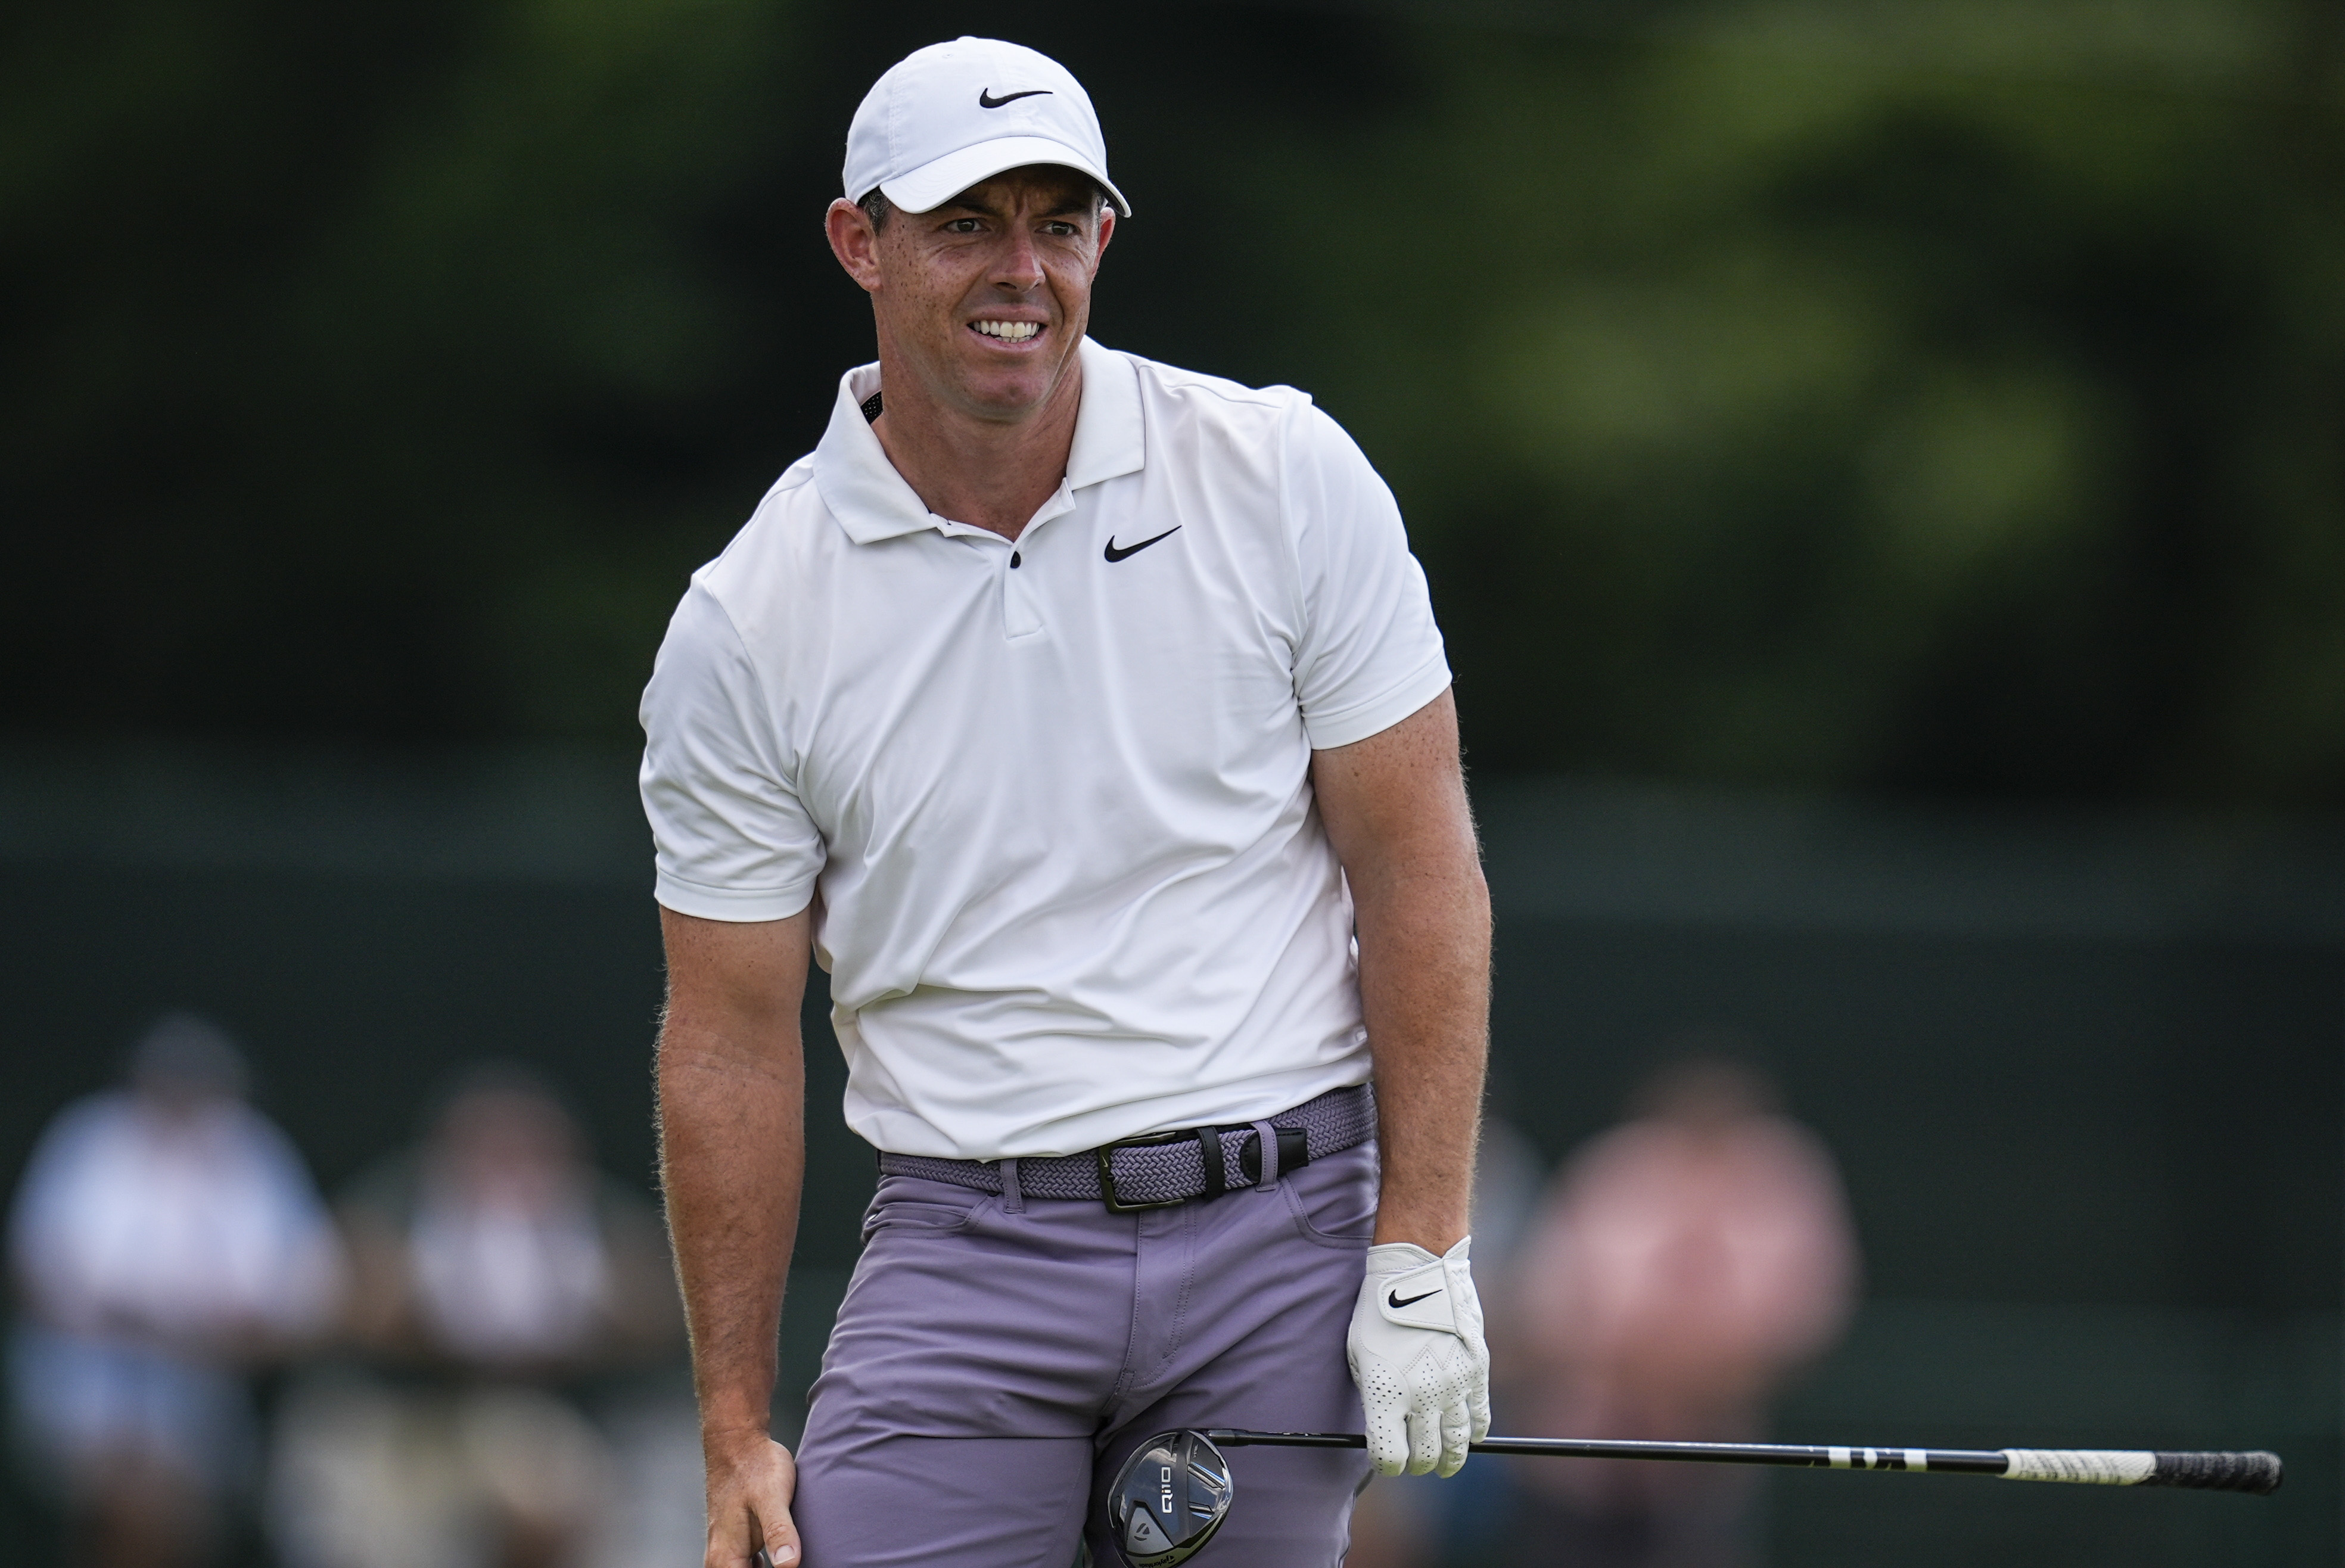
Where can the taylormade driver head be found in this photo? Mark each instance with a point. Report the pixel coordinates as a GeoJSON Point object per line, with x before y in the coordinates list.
{"type": "Point", "coordinates": [1168, 1499]}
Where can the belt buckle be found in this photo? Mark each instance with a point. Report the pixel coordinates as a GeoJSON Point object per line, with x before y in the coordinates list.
{"type": "Point", "coordinates": [1107, 1171]}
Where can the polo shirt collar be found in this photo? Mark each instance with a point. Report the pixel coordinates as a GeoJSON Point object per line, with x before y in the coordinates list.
{"type": "Point", "coordinates": [870, 499]}
{"type": "Point", "coordinates": [1111, 440]}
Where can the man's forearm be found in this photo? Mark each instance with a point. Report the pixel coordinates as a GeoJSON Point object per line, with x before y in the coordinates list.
{"type": "Point", "coordinates": [1396, 809]}
{"type": "Point", "coordinates": [732, 1117]}
{"type": "Point", "coordinates": [1425, 964]}
{"type": "Point", "coordinates": [733, 1157]}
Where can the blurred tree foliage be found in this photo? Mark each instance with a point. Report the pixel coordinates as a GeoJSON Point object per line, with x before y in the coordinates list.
{"type": "Point", "coordinates": [1930, 397]}
{"type": "Point", "coordinates": [1934, 396]}
{"type": "Point", "coordinates": [342, 341]}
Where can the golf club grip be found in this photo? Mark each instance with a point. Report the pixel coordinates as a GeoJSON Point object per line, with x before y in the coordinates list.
{"type": "Point", "coordinates": [2257, 1472]}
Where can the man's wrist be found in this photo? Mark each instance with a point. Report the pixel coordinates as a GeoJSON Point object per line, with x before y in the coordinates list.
{"type": "Point", "coordinates": [1436, 1235]}
{"type": "Point", "coordinates": [732, 1433]}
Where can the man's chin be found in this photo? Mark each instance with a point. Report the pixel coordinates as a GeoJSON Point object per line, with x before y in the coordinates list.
{"type": "Point", "coordinates": [1010, 396]}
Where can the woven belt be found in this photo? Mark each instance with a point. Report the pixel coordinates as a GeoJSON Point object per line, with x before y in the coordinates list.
{"type": "Point", "coordinates": [1168, 1168]}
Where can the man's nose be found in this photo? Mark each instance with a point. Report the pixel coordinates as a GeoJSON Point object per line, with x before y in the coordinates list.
{"type": "Point", "coordinates": [1020, 265]}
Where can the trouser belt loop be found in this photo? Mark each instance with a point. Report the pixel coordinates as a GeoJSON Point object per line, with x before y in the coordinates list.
{"type": "Point", "coordinates": [1217, 1177]}
{"type": "Point", "coordinates": [1266, 1145]}
{"type": "Point", "coordinates": [1013, 1197]}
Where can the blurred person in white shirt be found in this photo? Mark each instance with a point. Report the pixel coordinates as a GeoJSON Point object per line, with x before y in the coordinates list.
{"type": "Point", "coordinates": [166, 1238]}
{"type": "Point", "coordinates": [1683, 1266]}
{"type": "Point", "coordinates": [500, 1273]}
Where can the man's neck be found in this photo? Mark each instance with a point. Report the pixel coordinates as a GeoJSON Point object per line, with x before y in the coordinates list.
{"type": "Point", "coordinates": [990, 474]}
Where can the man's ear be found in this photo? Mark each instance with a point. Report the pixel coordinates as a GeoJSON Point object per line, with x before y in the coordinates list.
{"type": "Point", "coordinates": [855, 242]}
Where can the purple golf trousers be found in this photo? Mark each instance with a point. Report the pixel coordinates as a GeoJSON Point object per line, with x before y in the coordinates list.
{"type": "Point", "coordinates": [995, 1362]}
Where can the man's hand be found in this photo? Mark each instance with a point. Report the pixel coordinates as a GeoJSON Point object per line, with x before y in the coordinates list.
{"type": "Point", "coordinates": [1418, 1354]}
{"type": "Point", "coordinates": [749, 1489]}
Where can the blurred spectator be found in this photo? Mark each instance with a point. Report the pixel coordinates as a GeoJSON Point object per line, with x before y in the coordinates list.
{"type": "Point", "coordinates": [166, 1238]}
{"type": "Point", "coordinates": [498, 1275]}
{"type": "Point", "coordinates": [1683, 1266]}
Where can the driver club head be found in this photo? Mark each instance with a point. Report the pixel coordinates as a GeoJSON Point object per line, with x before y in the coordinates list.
{"type": "Point", "coordinates": [1168, 1499]}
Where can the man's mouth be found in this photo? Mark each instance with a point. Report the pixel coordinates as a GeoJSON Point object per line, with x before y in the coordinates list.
{"type": "Point", "coordinates": [1009, 332]}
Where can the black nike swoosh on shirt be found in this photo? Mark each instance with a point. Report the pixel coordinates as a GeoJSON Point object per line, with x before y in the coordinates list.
{"type": "Point", "coordinates": [1115, 555]}
{"type": "Point", "coordinates": [1393, 1298]}
{"type": "Point", "coordinates": [986, 100]}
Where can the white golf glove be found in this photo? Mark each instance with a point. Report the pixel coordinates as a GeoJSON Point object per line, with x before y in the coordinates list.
{"type": "Point", "coordinates": [1418, 1353]}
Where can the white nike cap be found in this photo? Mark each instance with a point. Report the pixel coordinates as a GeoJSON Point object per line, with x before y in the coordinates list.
{"type": "Point", "coordinates": [950, 116]}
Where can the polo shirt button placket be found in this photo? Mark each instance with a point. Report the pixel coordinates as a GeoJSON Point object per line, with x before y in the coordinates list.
{"type": "Point", "coordinates": [1020, 617]}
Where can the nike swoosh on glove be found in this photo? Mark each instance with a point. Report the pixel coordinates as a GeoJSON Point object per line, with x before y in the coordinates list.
{"type": "Point", "coordinates": [1418, 1354]}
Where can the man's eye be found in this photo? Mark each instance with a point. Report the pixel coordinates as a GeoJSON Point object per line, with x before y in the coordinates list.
{"type": "Point", "coordinates": [962, 226]}
{"type": "Point", "coordinates": [1061, 229]}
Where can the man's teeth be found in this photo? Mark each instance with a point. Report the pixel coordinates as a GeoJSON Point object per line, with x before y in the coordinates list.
{"type": "Point", "coordinates": [1010, 331]}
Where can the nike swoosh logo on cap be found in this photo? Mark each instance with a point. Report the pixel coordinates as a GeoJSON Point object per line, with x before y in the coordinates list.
{"type": "Point", "coordinates": [986, 100]}
{"type": "Point", "coordinates": [1115, 555]}
{"type": "Point", "coordinates": [1393, 1299]}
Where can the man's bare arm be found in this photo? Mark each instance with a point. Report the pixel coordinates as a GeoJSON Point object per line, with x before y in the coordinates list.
{"type": "Point", "coordinates": [732, 1119]}
{"type": "Point", "coordinates": [1395, 808]}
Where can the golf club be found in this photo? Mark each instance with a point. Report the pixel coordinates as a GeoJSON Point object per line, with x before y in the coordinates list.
{"type": "Point", "coordinates": [1174, 1493]}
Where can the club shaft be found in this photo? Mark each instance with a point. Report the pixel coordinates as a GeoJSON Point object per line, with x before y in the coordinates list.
{"type": "Point", "coordinates": [1976, 1462]}
{"type": "Point", "coordinates": [2257, 1472]}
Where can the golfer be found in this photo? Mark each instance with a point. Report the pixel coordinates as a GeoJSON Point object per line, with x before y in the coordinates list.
{"type": "Point", "coordinates": [1086, 719]}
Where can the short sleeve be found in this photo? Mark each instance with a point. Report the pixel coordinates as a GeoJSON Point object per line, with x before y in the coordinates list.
{"type": "Point", "coordinates": [1370, 654]}
{"type": "Point", "coordinates": [734, 841]}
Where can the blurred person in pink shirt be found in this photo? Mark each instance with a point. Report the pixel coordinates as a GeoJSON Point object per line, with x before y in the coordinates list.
{"type": "Point", "coordinates": [1683, 1266]}
{"type": "Point", "coordinates": [166, 1238]}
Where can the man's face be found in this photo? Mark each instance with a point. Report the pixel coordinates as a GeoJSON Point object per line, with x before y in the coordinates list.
{"type": "Point", "coordinates": [985, 297]}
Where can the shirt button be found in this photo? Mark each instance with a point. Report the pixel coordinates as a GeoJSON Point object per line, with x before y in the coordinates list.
{"type": "Point", "coordinates": [1014, 559]}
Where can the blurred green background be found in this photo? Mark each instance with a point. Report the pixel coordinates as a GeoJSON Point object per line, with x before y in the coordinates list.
{"type": "Point", "coordinates": [1881, 468]}
{"type": "Point", "coordinates": [1938, 397]}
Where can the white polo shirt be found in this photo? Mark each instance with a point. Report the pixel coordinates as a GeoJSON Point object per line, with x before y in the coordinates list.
{"type": "Point", "coordinates": [1053, 797]}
